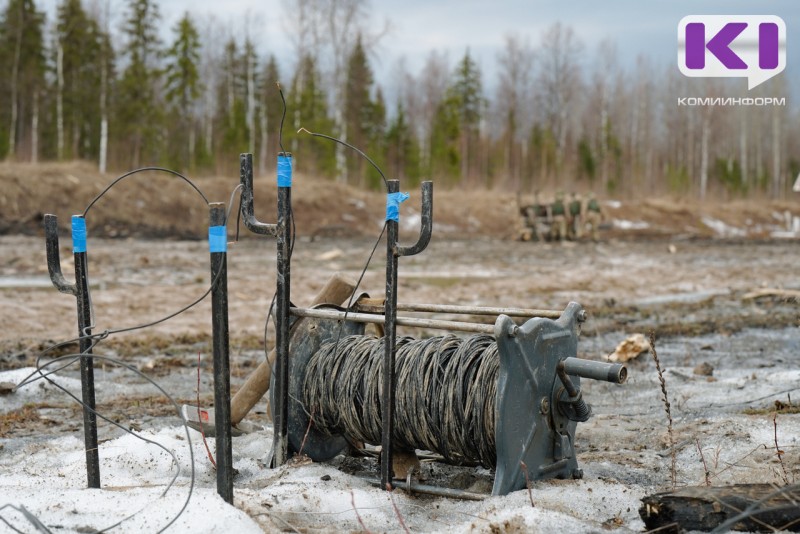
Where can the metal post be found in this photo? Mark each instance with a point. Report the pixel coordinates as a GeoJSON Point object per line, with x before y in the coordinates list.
{"type": "Point", "coordinates": [389, 328]}
{"type": "Point", "coordinates": [217, 240]}
{"type": "Point", "coordinates": [281, 394]}
{"type": "Point", "coordinates": [257, 227]}
{"type": "Point", "coordinates": [393, 251]}
{"type": "Point", "coordinates": [85, 344]}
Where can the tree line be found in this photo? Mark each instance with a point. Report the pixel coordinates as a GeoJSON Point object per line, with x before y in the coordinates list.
{"type": "Point", "coordinates": [78, 88]}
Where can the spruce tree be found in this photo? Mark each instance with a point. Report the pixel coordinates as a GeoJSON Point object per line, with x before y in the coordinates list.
{"type": "Point", "coordinates": [139, 111]}
{"type": "Point", "coordinates": [309, 103]}
{"type": "Point", "coordinates": [358, 114]}
{"type": "Point", "coordinates": [22, 59]}
{"type": "Point", "coordinates": [78, 54]}
{"type": "Point", "coordinates": [182, 89]}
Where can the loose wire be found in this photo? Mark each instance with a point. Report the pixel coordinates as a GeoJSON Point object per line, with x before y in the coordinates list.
{"type": "Point", "coordinates": [348, 145]}
{"type": "Point", "coordinates": [72, 358]}
{"type": "Point", "coordinates": [283, 117]}
{"type": "Point", "coordinates": [143, 169]}
{"type": "Point", "coordinates": [69, 359]}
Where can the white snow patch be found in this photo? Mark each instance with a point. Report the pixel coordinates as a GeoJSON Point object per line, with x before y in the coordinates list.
{"type": "Point", "coordinates": [622, 224]}
{"type": "Point", "coordinates": [721, 228]}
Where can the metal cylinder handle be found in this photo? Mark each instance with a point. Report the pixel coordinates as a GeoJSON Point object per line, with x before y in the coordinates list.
{"type": "Point", "coordinates": [615, 373]}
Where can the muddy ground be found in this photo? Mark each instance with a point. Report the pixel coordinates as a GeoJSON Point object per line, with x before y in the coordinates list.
{"type": "Point", "coordinates": [661, 267]}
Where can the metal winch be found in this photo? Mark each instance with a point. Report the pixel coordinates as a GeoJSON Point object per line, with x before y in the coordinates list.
{"type": "Point", "coordinates": [508, 397]}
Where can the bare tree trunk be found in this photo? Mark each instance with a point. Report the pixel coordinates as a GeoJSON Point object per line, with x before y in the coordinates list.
{"type": "Point", "coordinates": [35, 128]}
{"type": "Point", "coordinates": [743, 150]}
{"type": "Point", "coordinates": [262, 151]}
{"type": "Point", "coordinates": [704, 157]}
{"type": "Point", "coordinates": [341, 162]}
{"type": "Point", "coordinates": [103, 156]}
{"type": "Point", "coordinates": [12, 137]}
{"type": "Point", "coordinates": [192, 142]}
{"type": "Point", "coordinates": [251, 103]}
{"type": "Point", "coordinates": [604, 138]}
{"type": "Point", "coordinates": [758, 160]}
{"type": "Point", "coordinates": [777, 176]}
{"type": "Point", "coordinates": [103, 144]}
{"type": "Point", "coordinates": [60, 101]}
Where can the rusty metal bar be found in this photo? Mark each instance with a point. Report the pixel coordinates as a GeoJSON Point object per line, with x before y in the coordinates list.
{"type": "Point", "coordinates": [281, 394]}
{"type": "Point", "coordinates": [390, 329]}
{"type": "Point", "coordinates": [54, 257]}
{"type": "Point", "coordinates": [247, 199]}
{"type": "Point", "coordinates": [416, 322]}
{"type": "Point", "coordinates": [376, 306]}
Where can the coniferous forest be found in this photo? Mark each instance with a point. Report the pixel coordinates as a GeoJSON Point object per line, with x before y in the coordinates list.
{"type": "Point", "coordinates": [121, 95]}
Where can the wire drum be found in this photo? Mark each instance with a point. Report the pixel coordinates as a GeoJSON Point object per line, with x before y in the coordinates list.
{"type": "Point", "coordinates": [445, 394]}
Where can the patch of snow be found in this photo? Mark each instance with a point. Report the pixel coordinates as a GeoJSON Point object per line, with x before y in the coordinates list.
{"type": "Point", "coordinates": [622, 224]}
{"type": "Point", "coordinates": [721, 228]}
{"type": "Point", "coordinates": [615, 204]}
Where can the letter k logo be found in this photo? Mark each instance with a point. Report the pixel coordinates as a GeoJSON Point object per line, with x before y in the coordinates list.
{"type": "Point", "coordinates": [732, 46]}
{"type": "Point", "coordinates": [719, 45]}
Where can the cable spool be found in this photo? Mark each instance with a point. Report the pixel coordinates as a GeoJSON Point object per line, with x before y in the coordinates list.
{"type": "Point", "coordinates": [445, 397]}
{"type": "Point", "coordinates": [510, 401]}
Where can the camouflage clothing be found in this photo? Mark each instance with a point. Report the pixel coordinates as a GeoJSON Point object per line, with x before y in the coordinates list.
{"type": "Point", "coordinates": [575, 218]}
{"type": "Point", "coordinates": [594, 216]}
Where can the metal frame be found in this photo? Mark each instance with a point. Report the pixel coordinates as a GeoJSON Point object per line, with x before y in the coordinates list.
{"type": "Point", "coordinates": [80, 289]}
{"type": "Point", "coordinates": [393, 251]}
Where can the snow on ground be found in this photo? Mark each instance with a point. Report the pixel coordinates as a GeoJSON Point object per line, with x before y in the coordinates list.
{"type": "Point", "coordinates": [621, 449]}
{"type": "Point", "coordinates": [47, 478]}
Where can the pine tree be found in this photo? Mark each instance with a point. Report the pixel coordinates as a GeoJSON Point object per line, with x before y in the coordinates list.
{"type": "Point", "coordinates": [467, 94]}
{"type": "Point", "coordinates": [232, 101]}
{"type": "Point", "coordinates": [445, 151]}
{"type": "Point", "coordinates": [376, 138]}
{"type": "Point", "coordinates": [139, 112]}
{"type": "Point", "coordinates": [309, 103]}
{"type": "Point", "coordinates": [183, 88]}
{"type": "Point", "coordinates": [79, 57]}
{"type": "Point", "coordinates": [402, 149]}
{"type": "Point", "coordinates": [359, 110]}
{"type": "Point", "coordinates": [22, 59]}
{"type": "Point", "coordinates": [269, 116]}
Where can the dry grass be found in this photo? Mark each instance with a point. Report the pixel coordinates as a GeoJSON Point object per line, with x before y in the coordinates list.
{"type": "Point", "coordinates": [667, 408]}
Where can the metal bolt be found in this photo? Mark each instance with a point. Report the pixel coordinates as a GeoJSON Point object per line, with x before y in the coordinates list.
{"type": "Point", "coordinates": [582, 316]}
{"type": "Point", "coordinates": [544, 406]}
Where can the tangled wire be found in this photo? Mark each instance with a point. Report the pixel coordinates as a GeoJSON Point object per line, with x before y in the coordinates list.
{"type": "Point", "coordinates": [445, 396]}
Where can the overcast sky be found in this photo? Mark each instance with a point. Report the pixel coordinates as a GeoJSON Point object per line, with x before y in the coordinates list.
{"type": "Point", "coordinates": [638, 27]}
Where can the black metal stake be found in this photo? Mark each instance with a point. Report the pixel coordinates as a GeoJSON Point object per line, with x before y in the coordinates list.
{"type": "Point", "coordinates": [81, 291]}
{"type": "Point", "coordinates": [393, 251]}
{"type": "Point", "coordinates": [87, 368]}
{"type": "Point", "coordinates": [389, 329]}
{"type": "Point", "coordinates": [217, 238]}
{"type": "Point", "coordinates": [281, 393]}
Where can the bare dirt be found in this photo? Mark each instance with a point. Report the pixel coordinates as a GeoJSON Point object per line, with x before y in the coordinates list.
{"type": "Point", "coordinates": [661, 266]}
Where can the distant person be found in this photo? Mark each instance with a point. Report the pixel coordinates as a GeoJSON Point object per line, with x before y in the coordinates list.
{"type": "Point", "coordinates": [559, 217]}
{"type": "Point", "coordinates": [540, 216]}
{"type": "Point", "coordinates": [594, 216]}
{"type": "Point", "coordinates": [575, 216]}
{"type": "Point", "coordinates": [527, 232]}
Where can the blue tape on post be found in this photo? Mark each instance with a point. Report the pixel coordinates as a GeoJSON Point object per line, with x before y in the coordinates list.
{"type": "Point", "coordinates": [78, 234]}
{"type": "Point", "coordinates": [393, 201]}
{"type": "Point", "coordinates": [285, 171]}
{"type": "Point", "coordinates": [217, 238]}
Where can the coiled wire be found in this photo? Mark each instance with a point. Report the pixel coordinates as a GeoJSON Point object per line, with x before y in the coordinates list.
{"type": "Point", "coordinates": [445, 393]}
